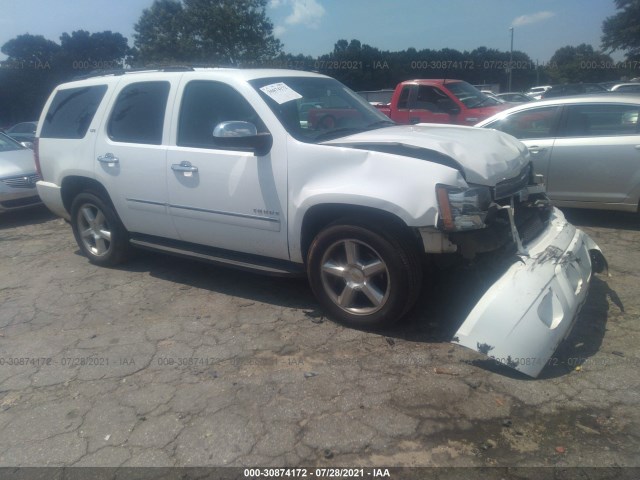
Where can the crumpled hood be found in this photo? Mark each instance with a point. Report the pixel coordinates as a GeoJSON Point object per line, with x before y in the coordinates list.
{"type": "Point", "coordinates": [16, 162]}
{"type": "Point", "coordinates": [486, 156]}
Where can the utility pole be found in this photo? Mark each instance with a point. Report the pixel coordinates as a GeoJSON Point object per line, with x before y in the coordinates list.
{"type": "Point", "coordinates": [510, 59]}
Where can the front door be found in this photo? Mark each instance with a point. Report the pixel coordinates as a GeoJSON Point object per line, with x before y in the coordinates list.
{"type": "Point", "coordinates": [219, 196]}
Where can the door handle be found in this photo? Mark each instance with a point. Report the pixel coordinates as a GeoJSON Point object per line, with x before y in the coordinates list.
{"type": "Point", "coordinates": [184, 167]}
{"type": "Point", "coordinates": [534, 150]}
{"type": "Point", "coordinates": [108, 158]}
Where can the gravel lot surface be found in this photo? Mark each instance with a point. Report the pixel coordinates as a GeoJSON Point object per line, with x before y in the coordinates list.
{"type": "Point", "coordinates": [167, 362]}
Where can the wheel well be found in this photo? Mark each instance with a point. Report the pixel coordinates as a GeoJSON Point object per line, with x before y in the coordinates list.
{"type": "Point", "coordinates": [73, 185]}
{"type": "Point", "coordinates": [320, 216]}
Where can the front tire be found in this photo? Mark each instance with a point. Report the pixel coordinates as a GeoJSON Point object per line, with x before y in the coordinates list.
{"type": "Point", "coordinates": [363, 276]}
{"type": "Point", "coordinates": [98, 231]}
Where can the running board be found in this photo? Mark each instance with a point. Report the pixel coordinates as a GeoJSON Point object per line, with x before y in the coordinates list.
{"type": "Point", "coordinates": [253, 263]}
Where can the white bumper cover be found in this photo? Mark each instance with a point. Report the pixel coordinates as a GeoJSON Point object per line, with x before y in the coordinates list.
{"type": "Point", "coordinates": [51, 196]}
{"type": "Point", "coordinates": [531, 308]}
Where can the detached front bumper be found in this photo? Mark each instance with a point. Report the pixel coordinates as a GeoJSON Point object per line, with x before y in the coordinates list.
{"type": "Point", "coordinates": [531, 308]}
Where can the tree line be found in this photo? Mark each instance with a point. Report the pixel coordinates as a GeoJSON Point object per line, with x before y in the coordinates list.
{"type": "Point", "coordinates": [237, 33]}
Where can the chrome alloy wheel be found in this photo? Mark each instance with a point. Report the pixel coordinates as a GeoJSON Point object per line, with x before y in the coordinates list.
{"type": "Point", "coordinates": [94, 230]}
{"type": "Point", "coordinates": [355, 277]}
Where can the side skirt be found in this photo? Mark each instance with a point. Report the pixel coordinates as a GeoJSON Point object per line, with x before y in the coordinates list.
{"type": "Point", "coordinates": [217, 256]}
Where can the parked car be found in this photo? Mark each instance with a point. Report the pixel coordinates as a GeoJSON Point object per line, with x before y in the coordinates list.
{"type": "Point", "coordinates": [216, 165]}
{"type": "Point", "coordinates": [18, 176]}
{"type": "Point", "coordinates": [24, 132]}
{"type": "Point", "coordinates": [440, 101]}
{"type": "Point", "coordinates": [536, 92]}
{"type": "Point", "coordinates": [514, 97]}
{"type": "Point", "coordinates": [572, 89]}
{"type": "Point", "coordinates": [587, 148]}
{"type": "Point", "coordinates": [626, 88]}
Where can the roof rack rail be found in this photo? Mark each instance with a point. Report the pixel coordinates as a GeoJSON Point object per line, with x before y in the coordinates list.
{"type": "Point", "coordinates": [121, 71]}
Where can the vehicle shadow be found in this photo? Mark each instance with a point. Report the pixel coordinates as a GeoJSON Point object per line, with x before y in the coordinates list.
{"type": "Point", "coordinates": [280, 291]}
{"type": "Point", "coordinates": [28, 216]}
{"type": "Point", "coordinates": [446, 300]}
{"type": "Point", "coordinates": [581, 217]}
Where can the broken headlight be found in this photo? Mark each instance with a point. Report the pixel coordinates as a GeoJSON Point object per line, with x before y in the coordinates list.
{"type": "Point", "coordinates": [462, 208]}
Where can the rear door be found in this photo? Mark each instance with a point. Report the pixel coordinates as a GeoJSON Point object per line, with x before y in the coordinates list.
{"type": "Point", "coordinates": [596, 157]}
{"type": "Point", "coordinates": [131, 154]}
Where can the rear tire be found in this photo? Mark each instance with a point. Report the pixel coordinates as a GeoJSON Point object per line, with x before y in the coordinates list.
{"type": "Point", "coordinates": [364, 276]}
{"type": "Point", "coordinates": [98, 231]}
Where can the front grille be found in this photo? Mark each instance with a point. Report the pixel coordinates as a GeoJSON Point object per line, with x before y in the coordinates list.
{"type": "Point", "coordinates": [508, 187]}
{"type": "Point", "coordinates": [22, 181]}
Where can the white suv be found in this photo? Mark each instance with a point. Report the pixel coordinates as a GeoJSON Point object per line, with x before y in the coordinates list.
{"type": "Point", "coordinates": [222, 165]}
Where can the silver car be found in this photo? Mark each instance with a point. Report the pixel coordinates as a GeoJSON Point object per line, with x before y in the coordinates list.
{"type": "Point", "coordinates": [18, 176]}
{"type": "Point", "coordinates": [587, 147]}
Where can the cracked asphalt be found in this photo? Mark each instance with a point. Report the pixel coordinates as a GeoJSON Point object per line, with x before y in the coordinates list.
{"type": "Point", "coordinates": [167, 362]}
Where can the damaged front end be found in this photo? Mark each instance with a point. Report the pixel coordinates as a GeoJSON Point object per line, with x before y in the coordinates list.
{"type": "Point", "coordinates": [521, 319]}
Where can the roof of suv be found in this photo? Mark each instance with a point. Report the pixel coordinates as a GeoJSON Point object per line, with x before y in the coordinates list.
{"type": "Point", "coordinates": [228, 73]}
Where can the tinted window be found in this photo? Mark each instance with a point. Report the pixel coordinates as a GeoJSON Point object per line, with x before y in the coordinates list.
{"type": "Point", "coordinates": [7, 144]}
{"type": "Point", "coordinates": [403, 101]}
{"type": "Point", "coordinates": [628, 88]}
{"type": "Point", "coordinates": [72, 111]}
{"type": "Point", "coordinates": [138, 115]}
{"type": "Point", "coordinates": [601, 120]}
{"type": "Point", "coordinates": [204, 105]}
{"type": "Point", "coordinates": [24, 128]}
{"type": "Point", "coordinates": [531, 123]}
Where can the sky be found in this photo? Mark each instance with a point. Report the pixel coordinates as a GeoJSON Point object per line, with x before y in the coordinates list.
{"type": "Point", "coordinates": [312, 27]}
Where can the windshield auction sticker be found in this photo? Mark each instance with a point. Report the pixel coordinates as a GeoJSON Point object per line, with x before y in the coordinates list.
{"type": "Point", "coordinates": [281, 92]}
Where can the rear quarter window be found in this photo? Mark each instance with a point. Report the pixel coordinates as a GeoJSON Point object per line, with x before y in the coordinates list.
{"type": "Point", "coordinates": [72, 111]}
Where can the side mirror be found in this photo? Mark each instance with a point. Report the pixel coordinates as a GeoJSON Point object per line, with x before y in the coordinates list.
{"type": "Point", "coordinates": [243, 136]}
{"type": "Point", "coordinates": [27, 144]}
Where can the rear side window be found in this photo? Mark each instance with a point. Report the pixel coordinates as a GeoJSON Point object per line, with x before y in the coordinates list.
{"type": "Point", "coordinates": [601, 120]}
{"type": "Point", "coordinates": [138, 114]}
{"type": "Point", "coordinates": [72, 111]}
{"type": "Point", "coordinates": [403, 101]}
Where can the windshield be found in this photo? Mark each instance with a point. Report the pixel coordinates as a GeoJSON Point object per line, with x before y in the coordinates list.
{"type": "Point", "coordinates": [317, 109]}
{"type": "Point", "coordinates": [470, 95]}
{"type": "Point", "coordinates": [8, 144]}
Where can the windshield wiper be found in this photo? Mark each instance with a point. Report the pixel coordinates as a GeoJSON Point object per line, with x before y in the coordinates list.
{"type": "Point", "coordinates": [380, 123]}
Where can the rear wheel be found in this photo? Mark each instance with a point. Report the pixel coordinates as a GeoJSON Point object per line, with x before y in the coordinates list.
{"type": "Point", "coordinates": [364, 276]}
{"type": "Point", "coordinates": [98, 230]}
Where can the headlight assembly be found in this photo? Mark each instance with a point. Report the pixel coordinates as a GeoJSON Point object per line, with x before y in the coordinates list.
{"type": "Point", "coordinates": [462, 208]}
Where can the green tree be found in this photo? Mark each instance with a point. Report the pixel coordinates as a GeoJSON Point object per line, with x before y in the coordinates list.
{"type": "Point", "coordinates": [27, 77]}
{"type": "Point", "coordinates": [160, 36]}
{"type": "Point", "coordinates": [580, 64]}
{"type": "Point", "coordinates": [99, 50]}
{"type": "Point", "coordinates": [218, 32]}
{"type": "Point", "coordinates": [30, 50]}
{"type": "Point", "coordinates": [622, 30]}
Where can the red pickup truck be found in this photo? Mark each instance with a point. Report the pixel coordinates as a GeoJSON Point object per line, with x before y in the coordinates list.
{"type": "Point", "coordinates": [440, 101]}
